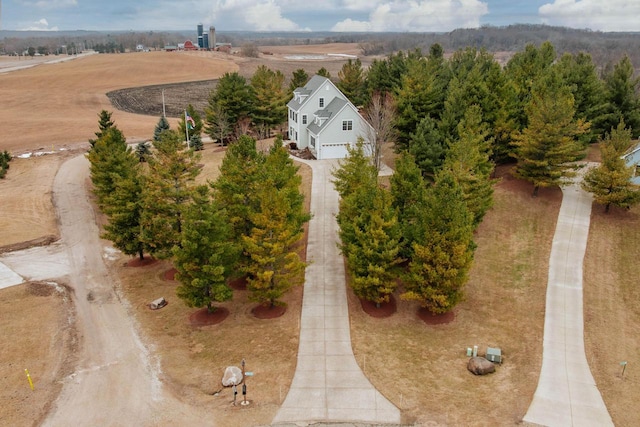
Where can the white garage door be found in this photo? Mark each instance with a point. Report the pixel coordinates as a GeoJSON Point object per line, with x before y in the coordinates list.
{"type": "Point", "coordinates": [334, 151]}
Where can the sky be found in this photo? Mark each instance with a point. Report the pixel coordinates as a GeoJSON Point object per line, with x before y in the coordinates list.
{"type": "Point", "coordinates": [319, 15]}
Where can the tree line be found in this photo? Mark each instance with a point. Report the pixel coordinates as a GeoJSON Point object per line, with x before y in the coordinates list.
{"type": "Point", "coordinates": [249, 221]}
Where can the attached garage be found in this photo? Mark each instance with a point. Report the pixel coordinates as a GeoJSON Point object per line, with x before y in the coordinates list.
{"type": "Point", "coordinates": [334, 151]}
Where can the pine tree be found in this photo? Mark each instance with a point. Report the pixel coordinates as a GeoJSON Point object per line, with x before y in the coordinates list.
{"type": "Point", "coordinates": [353, 171]}
{"type": "Point", "coordinates": [610, 182]}
{"type": "Point", "coordinates": [233, 96]}
{"type": "Point", "coordinates": [104, 123]}
{"type": "Point", "coordinates": [218, 126]}
{"type": "Point", "coordinates": [444, 255]}
{"type": "Point", "coordinates": [108, 163]}
{"type": "Point", "coordinates": [124, 211]}
{"type": "Point", "coordinates": [409, 194]}
{"type": "Point", "coordinates": [5, 158]}
{"type": "Point", "coordinates": [275, 266]}
{"type": "Point", "coordinates": [622, 101]}
{"type": "Point", "coordinates": [206, 257]}
{"type": "Point", "coordinates": [428, 146]}
{"type": "Point", "coordinates": [161, 127]}
{"type": "Point", "coordinates": [545, 148]}
{"type": "Point", "coordinates": [270, 99]}
{"type": "Point", "coordinates": [468, 160]}
{"type": "Point", "coordinates": [142, 151]}
{"type": "Point", "coordinates": [372, 252]}
{"type": "Point", "coordinates": [235, 187]}
{"type": "Point", "coordinates": [299, 78]}
{"type": "Point", "coordinates": [351, 82]}
{"type": "Point", "coordinates": [167, 193]}
{"type": "Point", "coordinates": [324, 73]}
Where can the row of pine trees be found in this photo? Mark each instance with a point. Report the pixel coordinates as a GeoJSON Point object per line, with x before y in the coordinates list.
{"type": "Point", "coordinates": [249, 221]}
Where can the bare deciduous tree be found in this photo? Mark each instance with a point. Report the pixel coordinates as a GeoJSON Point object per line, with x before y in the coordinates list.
{"type": "Point", "coordinates": [380, 113]}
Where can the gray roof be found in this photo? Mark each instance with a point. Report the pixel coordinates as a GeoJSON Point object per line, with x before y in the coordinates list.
{"type": "Point", "coordinates": [312, 85]}
{"type": "Point", "coordinates": [328, 113]}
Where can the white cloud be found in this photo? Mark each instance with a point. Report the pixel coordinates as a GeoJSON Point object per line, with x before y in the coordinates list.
{"type": "Point", "coordinates": [603, 15]}
{"type": "Point", "coordinates": [263, 15]}
{"type": "Point", "coordinates": [41, 25]}
{"type": "Point", "coordinates": [425, 15]}
{"type": "Point", "coordinates": [51, 4]}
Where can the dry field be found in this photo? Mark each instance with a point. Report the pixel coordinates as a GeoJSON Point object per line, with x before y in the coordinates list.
{"type": "Point", "coordinates": [420, 368]}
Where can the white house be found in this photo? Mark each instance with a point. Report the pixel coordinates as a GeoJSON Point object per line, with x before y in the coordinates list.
{"type": "Point", "coordinates": [322, 119]}
{"type": "Point", "coordinates": [632, 158]}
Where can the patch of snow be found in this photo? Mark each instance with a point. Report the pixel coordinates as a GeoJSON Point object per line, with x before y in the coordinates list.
{"type": "Point", "coordinates": [24, 155]}
{"type": "Point", "coordinates": [110, 253]}
{"type": "Point", "coordinates": [343, 55]}
{"type": "Point", "coordinates": [8, 277]}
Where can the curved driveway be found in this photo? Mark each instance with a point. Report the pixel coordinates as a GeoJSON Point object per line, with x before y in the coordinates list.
{"type": "Point", "coordinates": [567, 394]}
{"type": "Point", "coordinates": [116, 382]}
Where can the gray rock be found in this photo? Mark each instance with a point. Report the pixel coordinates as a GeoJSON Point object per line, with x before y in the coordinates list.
{"type": "Point", "coordinates": [232, 376]}
{"type": "Point", "coordinates": [480, 366]}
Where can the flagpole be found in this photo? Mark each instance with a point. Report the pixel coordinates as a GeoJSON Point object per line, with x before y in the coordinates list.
{"type": "Point", "coordinates": [164, 112]}
{"type": "Point", "coordinates": [186, 126]}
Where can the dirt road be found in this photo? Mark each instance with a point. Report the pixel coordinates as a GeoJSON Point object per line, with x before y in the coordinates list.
{"type": "Point", "coordinates": [117, 380]}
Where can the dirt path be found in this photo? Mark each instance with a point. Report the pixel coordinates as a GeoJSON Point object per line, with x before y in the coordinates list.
{"type": "Point", "coordinates": [117, 380]}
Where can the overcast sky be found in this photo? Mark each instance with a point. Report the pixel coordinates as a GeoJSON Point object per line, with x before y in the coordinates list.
{"type": "Point", "coordinates": [319, 15]}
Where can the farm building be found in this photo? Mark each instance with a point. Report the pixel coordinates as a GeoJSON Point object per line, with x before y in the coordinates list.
{"type": "Point", "coordinates": [632, 158]}
{"type": "Point", "coordinates": [323, 120]}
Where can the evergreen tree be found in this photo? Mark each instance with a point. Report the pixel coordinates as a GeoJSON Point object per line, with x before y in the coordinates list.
{"type": "Point", "coordinates": [522, 71]}
{"type": "Point", "coordinates": [545, 148]}
{"type": "Point", "coordinates": [123, 209]}
{"type": "Point", "coordinates": [167, 192]}
{"type": "Point", "coordinates": [443, 256]}
{"type": "Point", "coordinates": [409, 193]}
{"type": "Point", "coordinates": [108, 163]}
{"type": "Point", "coordinates": [581, 76]}
{"type": "Point", "coordinates": [104, 123]}
{"type": "Point", "coordinates": [218, 125]}
{"type": "Point", "coordinates": [372, 251]}
{"type": "Point", "coordinates": [622, 101]}
{"type": "Point", "coordinates": [161, 127]}
{"type": "Point", "coordinates": [351, 82]}
{"type": "Point", "coordinates": [428, 147]}
{"type": "Point", "coordinates": [610, 182]}
{"type": "Point", "coordinates": [236, 186]}
{"type": "Point", "coordinates": [324, 73]}
{"type": "Point", "coordinates": [270, 99]}
{"type": "Point", "coordinates": [299, 78]}
{"type": "Point", "coordinates": [353, 171]}
{"type": "Point", "coordinates": [142, 151]}
{"type": "Point", "coordinates": [194, 126]}
{"type": "Point", "coordinates": [282, 172]}
{"type": "Point", "coordinates": [275, 266]}
{"type": "Point", "coordinates": [206, 257]}
{"type": "Point", "coordinates": [419, 96]}
{"type": "Point", "coordinates": [468, 160]}
{"type": "Point", "coordinates": [233, 96]}
{"type": "Point", "coordinates": [5, 158]}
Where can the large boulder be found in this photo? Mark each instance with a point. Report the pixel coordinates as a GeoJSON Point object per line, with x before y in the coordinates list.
{"type": "Point", "coordinates": [232, 376]}
{"type": "Point", "coordinates": [480, 366]}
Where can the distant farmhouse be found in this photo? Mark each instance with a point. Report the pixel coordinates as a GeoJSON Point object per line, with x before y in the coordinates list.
{"type": "Point", "coordinates": [323, 120]}
{"type": "Point", "coordinates": [632, 158]}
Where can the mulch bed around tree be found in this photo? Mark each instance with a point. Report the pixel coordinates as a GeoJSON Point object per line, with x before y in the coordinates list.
{"type": "Point", "coordinates": [435, 319]}
{"type": "Point", "coordinates": [386, 309]}
{"type": "Point", "coordinates": [202, 317]}
{"type": "Point", "coordinates": [170, 274]}
{"type": "Point", "coordinates": [239, 284]}
{"type": "Point", "coordinates": [137, 262]}
{"type": "Point", "coordinates": [265, 311]}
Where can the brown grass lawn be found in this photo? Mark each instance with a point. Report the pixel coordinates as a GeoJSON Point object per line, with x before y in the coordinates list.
{"type": "Point", "coordinates": [422, 369]}
{"type": "Point", "coordinates": [612, 312]}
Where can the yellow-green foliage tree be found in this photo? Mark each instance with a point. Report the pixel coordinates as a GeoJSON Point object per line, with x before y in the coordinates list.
{"type": "Point", "coordinates": [610, 182]}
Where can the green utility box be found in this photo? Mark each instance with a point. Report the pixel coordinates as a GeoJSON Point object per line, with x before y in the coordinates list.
{"type": "Point", "coordinates": [494, 355]}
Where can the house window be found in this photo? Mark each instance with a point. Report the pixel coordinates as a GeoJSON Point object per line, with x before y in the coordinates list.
{"type": "Point", "coordinates": [347, 125]}
{"type": "Point", "coordinates": [291, 133]}
{"type": "Point", "coordinates": [321, 102]}
{"type": "Point", "coordinates": [304, 119]}
{"type": "Point", "coordinates": [312, 141]}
